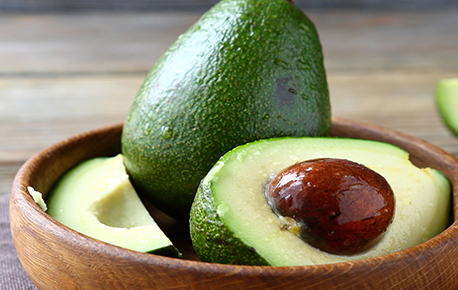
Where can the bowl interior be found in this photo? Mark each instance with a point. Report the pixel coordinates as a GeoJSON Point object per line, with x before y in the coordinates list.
{"type": "Point", "coordinates": [80, 261]}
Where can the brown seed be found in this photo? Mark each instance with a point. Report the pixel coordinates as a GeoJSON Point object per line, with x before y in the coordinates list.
{"type": "Point", "coordinates": [342, 207]}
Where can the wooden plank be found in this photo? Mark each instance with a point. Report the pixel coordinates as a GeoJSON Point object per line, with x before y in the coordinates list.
{"type": "Point", "coordinates": [130, 42]}
{"type": "Point", "coordinates": [63, 44]}
{"type": "Point", "coordinates": [354, 40]}
{"type": "Point", "coordinates": [403, 101]}
{"type": "Point", "coordinates": [35, 113]}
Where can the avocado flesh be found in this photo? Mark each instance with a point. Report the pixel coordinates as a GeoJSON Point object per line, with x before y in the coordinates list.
{"type": "Point", "coordinates": [447, 103]}
{"type": "Point", "coordinates": [247, 70]}
{"type": "Point", "coordinates": [97, 199]}
{"type": "Point", "coordinates": [231, 221]}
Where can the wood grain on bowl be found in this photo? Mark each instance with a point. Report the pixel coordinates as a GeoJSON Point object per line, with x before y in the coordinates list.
{"type": "Point", "coordinates": [56, 257]}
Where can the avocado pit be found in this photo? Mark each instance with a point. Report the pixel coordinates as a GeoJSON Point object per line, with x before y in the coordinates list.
{"type": "Point", "coordinates": [340, 207]}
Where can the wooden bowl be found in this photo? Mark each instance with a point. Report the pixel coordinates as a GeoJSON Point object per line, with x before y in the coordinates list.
{"type": "Point", "coordinates": [56, 257]}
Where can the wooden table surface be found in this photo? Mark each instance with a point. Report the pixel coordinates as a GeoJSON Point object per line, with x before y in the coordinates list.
{"type": "Point", "coordinates": [62, 74]}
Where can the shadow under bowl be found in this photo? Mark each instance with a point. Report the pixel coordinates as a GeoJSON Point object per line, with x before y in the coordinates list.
{"type": "Point", "coordinates": [56, 257]}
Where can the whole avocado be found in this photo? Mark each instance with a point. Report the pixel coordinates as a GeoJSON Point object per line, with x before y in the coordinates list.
{"type": "Point", "coordinates": [247, 70]}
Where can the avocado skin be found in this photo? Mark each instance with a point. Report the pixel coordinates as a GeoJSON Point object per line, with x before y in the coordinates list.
{"type": "Point", "coordinates": [247, 70]}
{"type": "Point", "coordinates": [209, 235]}
{"type": "Point", "coordinates": [170, 251]}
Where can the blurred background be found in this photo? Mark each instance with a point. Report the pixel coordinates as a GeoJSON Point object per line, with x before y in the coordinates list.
{"type": "Point", "coordinates": [145, 5]}
{"type": "Point", "coordinates": [70, 66]}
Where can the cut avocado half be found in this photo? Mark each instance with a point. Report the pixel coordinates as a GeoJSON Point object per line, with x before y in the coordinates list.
{"type": "Point", "coordinates": [97, 199]}
{"type": "Point", "coordinates": [447, 103]}
{"type": "Point", "coordinates": [231, 221]}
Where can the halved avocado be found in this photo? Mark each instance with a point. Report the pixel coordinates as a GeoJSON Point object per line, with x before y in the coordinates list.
{"type": "Point", "coordinates": [231, 221]}
{"type": "Point", "coordinates": [97, 199]}
{"type": "Point", "coordinates": [447, 103]}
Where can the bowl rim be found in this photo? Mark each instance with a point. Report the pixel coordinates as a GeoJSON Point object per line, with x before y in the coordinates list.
{"type": "Point", "coordinates": [19, 195]}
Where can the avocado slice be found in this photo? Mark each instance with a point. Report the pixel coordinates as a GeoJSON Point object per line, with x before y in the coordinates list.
{"type": "Point", "coordinates": [447, 103]}
{"type": "Point", "coordinates": [231, 221]}
{"type": "Point", "coordinates": [97, 199]}
{"type": "Point", "coordinates": [247, 70]}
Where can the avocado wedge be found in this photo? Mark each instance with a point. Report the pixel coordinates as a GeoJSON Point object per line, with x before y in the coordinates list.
{"type": "Point", "coordinates": [97, 199]}
{"type": "Point", "coordinates": [447, 103]}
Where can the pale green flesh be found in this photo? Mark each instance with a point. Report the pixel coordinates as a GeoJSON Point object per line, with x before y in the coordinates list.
{"type": "Point", "coordinates": [447, 103]}
{"type": "Point", "coordinates": [97, 199]}
{"type": "Point", "coordinates": [238, 181]}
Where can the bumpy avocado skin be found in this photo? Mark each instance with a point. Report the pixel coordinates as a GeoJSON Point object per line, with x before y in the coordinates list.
{"type": "Point", "coordinates": [247, 70]}
{"type": "Point", "coordinates": [209, 235]}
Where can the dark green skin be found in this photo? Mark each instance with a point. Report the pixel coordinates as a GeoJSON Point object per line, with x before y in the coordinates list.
{"type": "Point", "coordinates": [170, 251]}
{"type": "Point", "coordinates": [212, 240]}
{"type": "Point", "coordinates": [247, 70]}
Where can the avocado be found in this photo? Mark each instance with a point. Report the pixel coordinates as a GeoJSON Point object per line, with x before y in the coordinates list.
{"type": "Point", "coordinates": [96, 198]}
{"type": "Point", "coordinates": [447, 103]}
{"type": "Point", "coordinates": [247, 70]}
{"type": "Point", "coordinates": [232, 222]}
